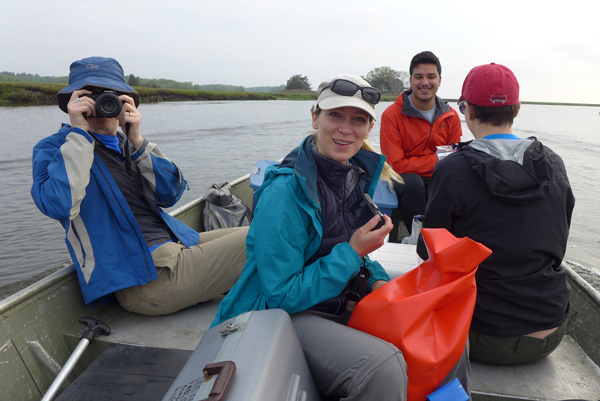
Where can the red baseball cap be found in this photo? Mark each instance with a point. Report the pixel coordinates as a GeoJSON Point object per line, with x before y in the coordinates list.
{"type": "Point", "coordinates": [490, 85]}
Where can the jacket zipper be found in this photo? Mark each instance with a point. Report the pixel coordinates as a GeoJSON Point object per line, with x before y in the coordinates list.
{"type": "Point", "coordinates": [83, 254]}
{"type": "Point", "coordinates": [344, 211]}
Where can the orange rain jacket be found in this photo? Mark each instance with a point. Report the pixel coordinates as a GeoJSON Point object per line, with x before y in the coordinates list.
{"type": "Point", "coordinates": [410, 142]}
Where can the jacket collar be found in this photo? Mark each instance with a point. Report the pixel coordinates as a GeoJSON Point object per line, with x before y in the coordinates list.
{"type": "Point", "coordinates": [441, 106]}
{"type": "Point", "coordinates": [302, 164]}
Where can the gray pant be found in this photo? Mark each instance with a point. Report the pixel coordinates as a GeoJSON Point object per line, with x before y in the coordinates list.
{"type": "Point", "coordinates": [348, 364]}
{"type": "Point", "coordinates": [461, 370]}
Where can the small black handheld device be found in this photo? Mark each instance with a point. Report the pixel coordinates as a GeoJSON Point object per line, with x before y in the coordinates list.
{"type": "Point", "coordinates": [374, 210]}
{"type": "Point", "coordinates": [366, 210]}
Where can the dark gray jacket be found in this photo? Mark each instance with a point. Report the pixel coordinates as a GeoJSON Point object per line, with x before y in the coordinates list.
{"type": "Point", "coordinates": [513, 196]}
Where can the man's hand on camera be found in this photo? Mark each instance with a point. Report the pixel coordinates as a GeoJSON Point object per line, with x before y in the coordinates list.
{"type": "Point", "coordinates": [80, 107]}
{"type": "Point", "coordinates": [130, 115]}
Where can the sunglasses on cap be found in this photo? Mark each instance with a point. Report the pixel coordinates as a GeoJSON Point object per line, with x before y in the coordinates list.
{"type": "Point", "coordinates": [348, 88]}
{"type": "Point", "coordinates": [462, 106]}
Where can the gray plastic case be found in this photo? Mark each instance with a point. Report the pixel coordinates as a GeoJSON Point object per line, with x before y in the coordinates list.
{"type": "Point", "coordinates": [269, 362]}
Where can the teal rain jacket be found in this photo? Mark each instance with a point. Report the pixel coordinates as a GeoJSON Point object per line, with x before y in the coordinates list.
{"type": "Point", "coordinates": [286, 231]}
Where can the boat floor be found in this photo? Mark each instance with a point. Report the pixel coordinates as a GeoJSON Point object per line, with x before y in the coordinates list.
{"type": "Point", "coordinates": [566, 374]}
{"type": "Point", "coordinates": [128, 373]}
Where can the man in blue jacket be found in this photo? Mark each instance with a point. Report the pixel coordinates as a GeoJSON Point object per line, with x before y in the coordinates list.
{"type": "Point", "coordinates": [108, 189]}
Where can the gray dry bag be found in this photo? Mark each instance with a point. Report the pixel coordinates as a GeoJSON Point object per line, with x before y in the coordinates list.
{"type": "Point", "coordinates": [223, 209]}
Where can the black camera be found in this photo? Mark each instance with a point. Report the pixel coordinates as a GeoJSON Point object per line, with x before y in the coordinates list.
{"type": "Point", "coordinates": [108, 104]}
{"type": "Point", "coordinates": [365, 211]}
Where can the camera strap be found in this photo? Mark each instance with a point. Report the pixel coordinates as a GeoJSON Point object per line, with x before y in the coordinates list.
{"type": "Point", "coordinates": [127, 151]}
{"type": "Point", "coordinates": [125, 158]}
{"type": "Point", "coordinates": [357, 291]}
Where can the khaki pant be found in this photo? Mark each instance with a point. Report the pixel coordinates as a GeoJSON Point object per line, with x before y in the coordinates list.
{"type": "Point", "coordinates": [187, 276]}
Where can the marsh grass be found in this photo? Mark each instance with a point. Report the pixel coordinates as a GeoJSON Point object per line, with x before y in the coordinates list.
{"type": "Point", "coordinates": [28, 93]}
{"type": "Point", "coordinates": [36, 94]}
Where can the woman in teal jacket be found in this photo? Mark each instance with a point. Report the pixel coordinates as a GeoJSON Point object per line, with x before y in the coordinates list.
{"type": "Point", "coordinates": [305, 245]}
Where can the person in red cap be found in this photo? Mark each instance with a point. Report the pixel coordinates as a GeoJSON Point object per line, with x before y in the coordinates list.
{"type": "Point", "coordinates": [511, 194]}
{"type": "Point", "coordinates": [411, 130]}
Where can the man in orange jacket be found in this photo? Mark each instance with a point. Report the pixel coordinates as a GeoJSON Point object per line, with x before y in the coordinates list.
{"type": "Point", "coordinates": [412, 128]}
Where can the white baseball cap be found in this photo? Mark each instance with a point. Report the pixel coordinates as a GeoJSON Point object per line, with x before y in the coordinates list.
{"type": "Point", "coordinates": [337, 92]}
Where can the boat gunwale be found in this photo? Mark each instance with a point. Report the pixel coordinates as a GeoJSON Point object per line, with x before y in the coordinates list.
{"type": "Point", "coordinates": [32, 290]}
{"type": "Point", "coordinates": [192, 204]}
{"type": "Point", "coordinates": [581, 283]}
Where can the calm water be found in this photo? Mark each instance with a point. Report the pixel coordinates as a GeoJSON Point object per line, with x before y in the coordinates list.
{"type": "Point", "coordinates": [217, 141]}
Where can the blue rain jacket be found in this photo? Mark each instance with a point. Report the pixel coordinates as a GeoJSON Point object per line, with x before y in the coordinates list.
{"type": "Point", "coordinates": [104, 239]}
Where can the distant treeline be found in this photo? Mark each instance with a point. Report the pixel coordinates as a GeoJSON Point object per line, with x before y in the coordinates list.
{"type": "Point", "coordinates": [170, 84]}
{"type": "Point", "coordinates": [22, 77]}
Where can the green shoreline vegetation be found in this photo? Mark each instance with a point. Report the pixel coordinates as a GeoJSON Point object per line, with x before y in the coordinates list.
{"type": "Point", "coordinates": [14, 94]}
{"type": "Point", "coordinates": [39, 94]}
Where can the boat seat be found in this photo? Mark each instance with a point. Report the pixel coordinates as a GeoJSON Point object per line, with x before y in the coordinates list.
{"type": "Point", "coordinates": [186, 327]}
{"type": "Point", "coordinates": [383, 197]}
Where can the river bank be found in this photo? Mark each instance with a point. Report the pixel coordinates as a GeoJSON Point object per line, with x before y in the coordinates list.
{"type": "Point", "coordinates": [14, 94]}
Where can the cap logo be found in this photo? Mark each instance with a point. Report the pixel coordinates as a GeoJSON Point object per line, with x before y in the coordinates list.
{"type": "Point", "coordinates": [498, 98]}
{"type": "Point", "coordinates": [92, 66]}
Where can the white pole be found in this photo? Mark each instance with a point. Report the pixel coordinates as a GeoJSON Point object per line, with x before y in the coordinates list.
{"type": "Point", "coordinates": [66, 370]}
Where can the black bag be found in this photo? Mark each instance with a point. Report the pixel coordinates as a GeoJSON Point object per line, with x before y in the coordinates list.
{"type": "Point", "coordinates": [223, 209]}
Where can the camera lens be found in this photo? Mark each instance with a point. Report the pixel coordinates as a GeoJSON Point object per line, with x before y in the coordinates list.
{"type": "Point", "coordinates": [108, 105]}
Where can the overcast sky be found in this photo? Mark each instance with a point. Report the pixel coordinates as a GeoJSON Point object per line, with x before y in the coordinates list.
{"type": "Point", "coordinates": [553, 47]}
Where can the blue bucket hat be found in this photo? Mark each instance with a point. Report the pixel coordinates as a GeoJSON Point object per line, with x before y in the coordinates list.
{"type": "Point", "coordinates": [103, 72]}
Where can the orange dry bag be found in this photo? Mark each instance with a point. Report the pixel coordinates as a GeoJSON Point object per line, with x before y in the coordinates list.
{"type": "Point", "coordinates": [427, 312]}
